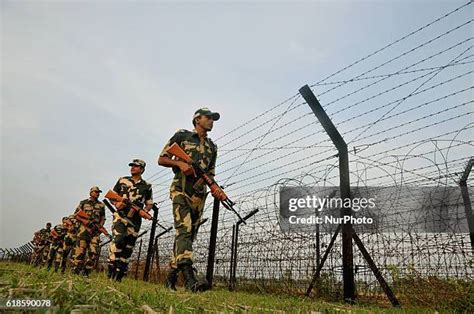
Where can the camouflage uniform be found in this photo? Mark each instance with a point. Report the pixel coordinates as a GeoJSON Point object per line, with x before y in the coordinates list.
{"type": "Point", "coordinates": [48, 239]}
{"type": "Point", "coordinates": [35, 241]}
{"type": "Point", "coordinates": [126, 224]}
{"type": "Point", "coordinates": [42, 241]}
{"type": "Point", "coordinates": [69, 241]}
{"type": "Point", "coordinates": [56, 247]}
{"type": "Point", "coordinates": [39, 247]}
{"type": "Point", "coordinates": [88, 237]}
{"type": "Point", "coordinates": [189, 193]}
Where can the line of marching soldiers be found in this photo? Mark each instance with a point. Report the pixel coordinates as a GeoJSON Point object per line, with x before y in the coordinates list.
{"type": "Point", "coordinates": [78, 233]}
{"type": "Point", "coordinates": [192, 157]}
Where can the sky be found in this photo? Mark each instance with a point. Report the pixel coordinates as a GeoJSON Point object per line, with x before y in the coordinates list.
{"type": "Point", "coordinates": [87, 86]}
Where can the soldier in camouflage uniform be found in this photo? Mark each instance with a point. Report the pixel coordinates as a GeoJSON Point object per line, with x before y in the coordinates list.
{"type": "Point", "coordinates": [45, 254]}
{"type": "Point", "coordinates": [127, 221]}
{"type": "Point", "coordinates": [189, 193]}
{"type": "Point", "coordinates": [35, 241]}
{"type": "Point", "coordinates": [55, 251]}
{"type": "Point", "coordinates": [69, 241]}
{"type": "Point", "coordinates": [88, 235]}
{"type": "Point", "coordinates": [41, 240]}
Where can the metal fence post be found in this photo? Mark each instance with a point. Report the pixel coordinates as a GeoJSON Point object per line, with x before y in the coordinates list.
{"type": "Point", "coordinates": [235, 241]}
{"type": "Point", "coordinates": [212, 243]}
{"type": "Point", "coordinates": [150, 243]}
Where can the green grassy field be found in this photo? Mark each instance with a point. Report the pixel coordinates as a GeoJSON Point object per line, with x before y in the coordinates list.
{"type": "Point", "coordinates": [97, 294]}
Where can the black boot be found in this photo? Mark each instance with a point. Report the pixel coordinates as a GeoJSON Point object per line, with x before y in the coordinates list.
{"type": "Point", "coordinates": [190, 281]}
{"type": "Point", "coordinates": [172, 278]}
{"type": "Point", "coordinates": [63, 264]}
{"type": "Point", "coordinates": [86, 272]}
{"type": "Point", "coordinates": [119, 275]}
{"type": "Point", "coordinates": [111, 271]}
{"type": "Point", "coordinates": [120, 270]}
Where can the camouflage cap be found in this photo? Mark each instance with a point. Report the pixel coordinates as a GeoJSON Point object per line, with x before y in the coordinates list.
{"type": "Point", "coordinates": [206, 112]}
{"type": "Point", "coordinates": [138, 162]}
{"type": "Point", "coordinates": [95, 189]}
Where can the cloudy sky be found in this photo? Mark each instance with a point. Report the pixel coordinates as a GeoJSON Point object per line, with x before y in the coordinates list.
{"type": "Point", "coordinates": [86, 86]}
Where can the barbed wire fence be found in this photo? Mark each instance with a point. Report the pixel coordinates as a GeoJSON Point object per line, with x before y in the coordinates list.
{"type": "Point", "coordinates": [405, 111]}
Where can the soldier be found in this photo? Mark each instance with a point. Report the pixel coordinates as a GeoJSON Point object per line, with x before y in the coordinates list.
{"type": "Point", "coordinates": [48, 239]}
{"type": "Point", "coordinates": [41, 240]}
{"type": "Point", "coordinates": [127, 221]}
{"type": "Point", "coordinates": [69, 241]}
{"type": "Point", "coordinates": [189, 193]}
{"type": "Point", "coordinates": [58, 233]}
{"type": "Point", "coordinates": [88, 235]}
{"type": "Point", "coordinates": [36, 242]}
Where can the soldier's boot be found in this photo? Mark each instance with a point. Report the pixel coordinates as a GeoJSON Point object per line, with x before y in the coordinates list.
{"type": "Point", "coordinates": [111, 270]}
{"type": "Point", "coordinates": [119, 275]}
{"type": "Point", "coordinates": [120, 270]}
{"type": "Point", "coordinates": [86, 272]}
{"type": "Point", "coordinates": [172, 278]}
{"type": "Point", "coordinates": [63, 264]}
{"type": "Point", "coordinates": [190, 281]}
{"type": "Point", "coordinates": [49, 263]}
{"type": "Point", "coordinates": [36, 262]}
{"type": "Point", "coordinates": [77, 270]}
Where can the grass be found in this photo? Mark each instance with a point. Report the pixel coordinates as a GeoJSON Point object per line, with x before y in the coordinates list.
{"type": "Point", "coordinates": [97, 294]}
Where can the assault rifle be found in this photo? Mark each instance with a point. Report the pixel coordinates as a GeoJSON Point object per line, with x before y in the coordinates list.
{"type": "Point", "coordinates": [112, 210]}
{"type": "Point", "coordinates": [178, 152]}
{"type": "Point", "coordinates": [83, 218]}
{"type": "Point", "coordinates": [68, 223]}
{"type": "Point", "coordinates": [114, 196]}
{"type": "Point", "coordinates": [54, 234]}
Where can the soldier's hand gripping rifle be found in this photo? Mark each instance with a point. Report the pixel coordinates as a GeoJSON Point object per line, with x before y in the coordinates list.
{"type": "Point", "coordinates": [68, 223]}
{"type": "Point", "coordinates": [83, 218]}
{"type": "Point", "coordinates": [112, 210]}
{"type": "Point", "coordinates": [54, 234]}
{"type": "Point", "coordinates": [114, 196]}
{"type": "Point", "coordinates": [216, 190]}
